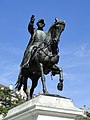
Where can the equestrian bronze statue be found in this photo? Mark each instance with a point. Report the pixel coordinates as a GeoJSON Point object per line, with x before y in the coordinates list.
{"type": "Point", "coordinates": [41, 56]}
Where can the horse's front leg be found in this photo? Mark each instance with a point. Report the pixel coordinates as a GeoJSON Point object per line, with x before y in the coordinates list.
{"type": "Point", "coordinates": [57, 70]}
{"type": "Point", "coordinates": [43, 79]}
{"type": "Point", "coordinates": [60, 84]}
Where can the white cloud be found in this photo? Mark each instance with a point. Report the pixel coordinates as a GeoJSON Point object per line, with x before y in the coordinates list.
{"type": "Point", "coordinates": [83, 50]}
{"type": "Point", "coordinates": [80, 51]}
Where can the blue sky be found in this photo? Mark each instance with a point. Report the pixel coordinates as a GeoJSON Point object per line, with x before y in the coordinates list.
{"type": "Point", "coordinates": [74, 43]}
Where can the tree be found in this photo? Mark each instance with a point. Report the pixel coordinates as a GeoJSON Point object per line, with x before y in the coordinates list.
{"type": "Point", "coordinates": [8, 100]}
{"type": "Point", "coordinates": [82, 118]}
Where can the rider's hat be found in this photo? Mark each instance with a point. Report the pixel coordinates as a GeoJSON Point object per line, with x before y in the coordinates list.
{"type": "Point", "coordinates": [41, 21]}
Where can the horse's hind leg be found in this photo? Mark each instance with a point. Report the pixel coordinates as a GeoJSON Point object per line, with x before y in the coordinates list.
{"type": "Point", "coordinates": [25, 88]}
{"type": "Point", "coordinates": [34, 84]}
{"type": "Point", "coordinates": [43, 79]}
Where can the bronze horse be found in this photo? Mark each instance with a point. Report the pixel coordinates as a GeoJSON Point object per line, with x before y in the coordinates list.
{"type": "Point", "coordinates": [43, 60]}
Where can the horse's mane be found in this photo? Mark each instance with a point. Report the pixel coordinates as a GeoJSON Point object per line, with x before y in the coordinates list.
{"type": "Point", "coordinates": [51, 27]}
{"type": "Point", "coordinates": [56, 29]}
{"type": "Point", "coordinates": [57, 21]}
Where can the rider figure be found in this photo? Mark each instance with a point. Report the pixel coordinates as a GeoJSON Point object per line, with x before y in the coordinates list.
{"type": "Point", "coordinates": [30, 46]}
{"type": "Point", "coordinates": [40, 25]}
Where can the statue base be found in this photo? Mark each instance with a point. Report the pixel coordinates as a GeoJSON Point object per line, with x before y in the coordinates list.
{"type": "Point", "coordinates": [45, 107]}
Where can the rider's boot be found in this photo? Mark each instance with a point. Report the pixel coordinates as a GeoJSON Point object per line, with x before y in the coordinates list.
{"type": "Point", "coordinates": [26, 65]}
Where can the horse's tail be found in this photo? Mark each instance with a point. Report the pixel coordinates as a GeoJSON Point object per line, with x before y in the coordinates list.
{"type": "Point", "coordinates": [19, 81]}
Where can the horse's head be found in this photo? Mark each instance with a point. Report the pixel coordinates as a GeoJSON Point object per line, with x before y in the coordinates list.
{"type": "Point", "coordinates": [56, 29]}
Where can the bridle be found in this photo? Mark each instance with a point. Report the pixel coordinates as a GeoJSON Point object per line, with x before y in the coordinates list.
{"type": "Point", "coordinates": [46, 45]}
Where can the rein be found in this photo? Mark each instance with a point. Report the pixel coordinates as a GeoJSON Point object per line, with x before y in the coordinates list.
{"type": "Point", "coordinates": [46, 46]}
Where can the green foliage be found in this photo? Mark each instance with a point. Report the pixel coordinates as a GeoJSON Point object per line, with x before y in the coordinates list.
{"type": "Point", "coordinates": [82, 118]}
{"type": "Point", "coordinates": [8, 100]}
{"type": "Point", "coordinates": [3, 110]}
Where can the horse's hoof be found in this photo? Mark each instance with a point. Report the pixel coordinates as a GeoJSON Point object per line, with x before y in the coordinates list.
{"type": "Point", "coordinates": [60, 86]}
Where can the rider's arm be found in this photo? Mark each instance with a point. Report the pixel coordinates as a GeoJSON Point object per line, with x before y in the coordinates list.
{"type": "Point", "coordinates": [31, 25]}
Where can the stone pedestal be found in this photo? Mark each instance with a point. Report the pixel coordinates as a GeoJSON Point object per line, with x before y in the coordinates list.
{"type": "Point", "coordinates": [45, 107]}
